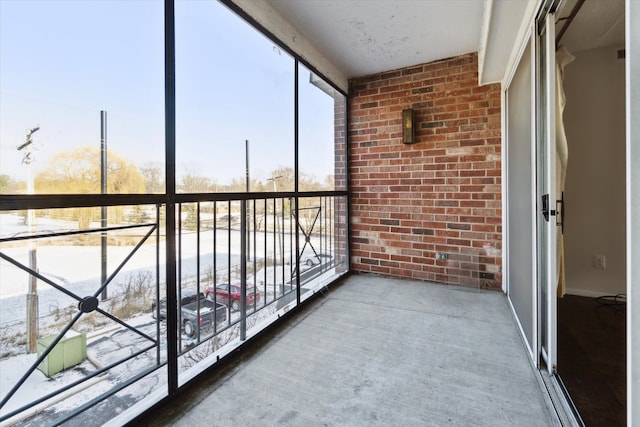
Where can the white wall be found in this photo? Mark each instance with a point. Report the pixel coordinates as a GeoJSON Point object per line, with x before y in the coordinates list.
{"type": "Point", "coordinates": [595, 190]}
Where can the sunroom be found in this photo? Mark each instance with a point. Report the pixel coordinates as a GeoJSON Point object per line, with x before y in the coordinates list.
{"type": "Point", "coordinates": [179, 178]}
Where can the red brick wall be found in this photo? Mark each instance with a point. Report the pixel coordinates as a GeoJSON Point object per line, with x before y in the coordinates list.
{"type": "Point", "coordinates": [441, 194]}
{"type": "Point", "coordinates": [340, 205]}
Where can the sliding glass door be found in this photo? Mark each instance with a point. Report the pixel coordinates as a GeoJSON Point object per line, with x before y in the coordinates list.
{"type": "Point", "coordinates": [548, 207]}
{"type": "Point", "coordinates": [520, 212]}
{"type": "Point", "coordinates": [532, 208]}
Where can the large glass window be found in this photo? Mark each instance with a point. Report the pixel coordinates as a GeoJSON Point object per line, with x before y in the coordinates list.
{"type": "Point", "coordinates": [233, 85]}
{"type": "Point", "coordinates": [62, 63]}
{"type": "Point", "coordinates": [48, 287]}
{"type": "Point", "coordinates": [318, 108]}
{"type": "Point", "coordinates": [147, 286]}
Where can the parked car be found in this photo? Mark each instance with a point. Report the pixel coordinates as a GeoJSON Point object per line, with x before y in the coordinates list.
{"type": "Point", "coordinates": [316, 259]}
{"type": "Point", "coordinates": [202, 313]}
{"type": "Point", "coordinates": [195, 309]}
{"type": "Point", "coordinates": [230, 293]}
{"type": "Point", "coordinates": [187, 296]}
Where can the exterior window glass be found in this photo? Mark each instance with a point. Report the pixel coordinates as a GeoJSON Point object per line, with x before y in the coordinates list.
{"type": "Point", "coordinates": [62, 64]}
{"type": "Point", "coordinates": [321, 167]}
{"type": "Point", "coordinates": [120, 278]}
{"type": "Point", "coordinates": [315, 129]}
{"type": "Point", "coordinates": [232, 85]}
{"type": "Point", "coordinates": [95, 292]}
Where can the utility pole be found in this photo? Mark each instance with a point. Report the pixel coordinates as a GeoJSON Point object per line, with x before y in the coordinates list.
{"type": "Point", "coordinates": [248, 185]}
{"type": "Point", "coordinates": [32, 295]}
{"type": "Point", "coordinates": [275, 208]}
{"type": "Point", "coordinates": [274, 179]}
{"type": "Point", "coordinates": [103, 209]}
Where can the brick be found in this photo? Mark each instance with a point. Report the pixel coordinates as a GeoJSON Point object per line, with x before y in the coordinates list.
{"type": "Point", "coordinates": [441, 193]}
{"type": "Point", "coordinates": [456, 226]}
{"type": "Point", "coordinates": [422, 231]}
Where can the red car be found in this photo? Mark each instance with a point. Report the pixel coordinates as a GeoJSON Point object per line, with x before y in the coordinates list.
{"type": "Point", "coordinates": [223, 290]}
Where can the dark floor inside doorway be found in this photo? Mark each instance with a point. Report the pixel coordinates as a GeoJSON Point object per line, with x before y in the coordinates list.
{"type": "Point", "coordinates": [592, 358]}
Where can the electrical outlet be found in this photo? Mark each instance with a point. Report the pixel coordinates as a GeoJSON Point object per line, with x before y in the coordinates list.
{"type": "Point", "coordinates": [441, 256]}
{"type": "Point", "coordinates": [599, 262]}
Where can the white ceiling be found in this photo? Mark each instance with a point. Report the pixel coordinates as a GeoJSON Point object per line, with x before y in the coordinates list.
{"type": "Point", "coordinates": [352, 38]}
{"type": "Point", "coordinates": [364, 37]}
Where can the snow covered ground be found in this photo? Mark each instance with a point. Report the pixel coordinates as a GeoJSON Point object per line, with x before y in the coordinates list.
{"type": "Point", "coordinates": [38, 385]}
{"type": "Point", "coordinates": [77, 269]}
{"type": "Point", "coordinates": [107, 347]}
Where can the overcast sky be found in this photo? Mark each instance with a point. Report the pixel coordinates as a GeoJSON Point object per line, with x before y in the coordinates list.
{"type": "Point", "coordinates": [63, 62]}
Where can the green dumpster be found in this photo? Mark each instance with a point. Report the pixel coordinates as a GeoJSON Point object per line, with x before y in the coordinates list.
{"type": "Point", "coordinates": [71, 350]}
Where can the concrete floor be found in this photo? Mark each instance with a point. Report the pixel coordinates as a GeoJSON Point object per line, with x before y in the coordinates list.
{"type": "Point", "coordinates": [377, 351]}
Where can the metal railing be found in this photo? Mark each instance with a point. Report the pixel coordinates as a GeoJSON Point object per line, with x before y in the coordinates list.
{"type": "Point", "coordinates": [255, 247]}
{"type": "Point", "coordinates": [271, 252]}
{"type": "Point", "coordinates": [86, 305]}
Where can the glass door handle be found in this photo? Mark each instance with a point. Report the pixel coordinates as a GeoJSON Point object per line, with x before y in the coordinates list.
{"type": "Point", "coordinates": [560, 213]}
{"type": "Point", "coordinates": [545, 208]}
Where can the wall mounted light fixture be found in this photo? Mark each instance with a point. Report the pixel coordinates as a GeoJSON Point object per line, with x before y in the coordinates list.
{"type": "Point", "coordinates": [408, 130]}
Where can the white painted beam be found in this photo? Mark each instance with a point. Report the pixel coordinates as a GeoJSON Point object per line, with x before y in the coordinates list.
{"type": "Point", "coordinates": [505, 26]}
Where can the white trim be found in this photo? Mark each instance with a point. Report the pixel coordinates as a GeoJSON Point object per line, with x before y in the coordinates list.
{"type": "Point", "coordinates": [503, 176]}
{"type": "Point", "coordinates": [484, 36]}
{"type": "Point", "coordinates": [534, 191]}
{"type": "Point", "coordinates": [524, 34]}
{"type": "Point", "coordinates": [551, 229]}
{"type": "Point", "coordinates": [518, 57]}
{"type": "Point", "coordinates": [632, 71]}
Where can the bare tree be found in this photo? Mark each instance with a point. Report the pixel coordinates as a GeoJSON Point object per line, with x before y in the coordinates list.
{"type": "Point", "coordinates": [8, 185]}
{"type": "Point", "coordinates": [195, 183]}
{"type": "Point", "coordinates": [153, 179]}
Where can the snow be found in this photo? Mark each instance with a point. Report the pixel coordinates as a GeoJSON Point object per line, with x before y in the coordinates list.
{"type": "Point", "coordinates": [76, 269]}
{"type": "Point", "coordinates": [104, 348]}
{"type": "Point", "coordinates": [107, 347]}
{"type": "Point", "coordinates": [37, 384]}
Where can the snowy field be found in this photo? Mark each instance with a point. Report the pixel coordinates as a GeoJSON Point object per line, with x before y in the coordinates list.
{"type": "Point", "coordinates": [106, 347]}
{"type": "Point", "coordinates": [77, 269]}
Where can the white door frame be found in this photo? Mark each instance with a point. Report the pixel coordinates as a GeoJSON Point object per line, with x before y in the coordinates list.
{"type": "Point", "coordinates": [632, 48]}
{"type": "Point", "coordinates": [546, 164]}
